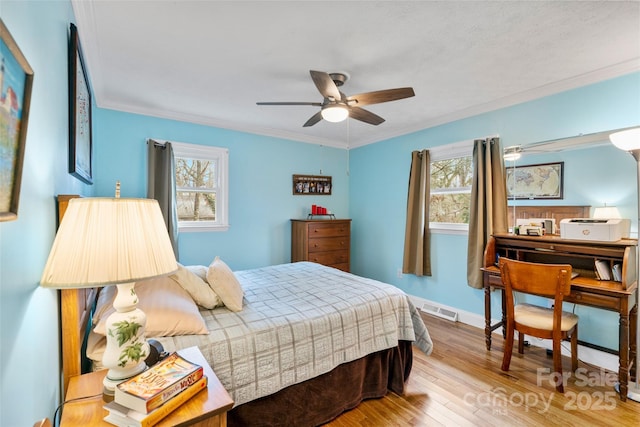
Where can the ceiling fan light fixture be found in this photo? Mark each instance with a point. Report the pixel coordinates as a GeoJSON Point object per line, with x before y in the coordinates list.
{"type": "Point", "coordinates": [335, 113]}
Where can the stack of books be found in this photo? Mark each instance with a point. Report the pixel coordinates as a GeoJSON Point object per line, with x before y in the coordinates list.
{"type": "Point", "coordinates": [144, 400]}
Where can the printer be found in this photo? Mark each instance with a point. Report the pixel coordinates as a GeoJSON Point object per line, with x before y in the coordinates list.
{"type": "Point", "coordinates": [606, 230]}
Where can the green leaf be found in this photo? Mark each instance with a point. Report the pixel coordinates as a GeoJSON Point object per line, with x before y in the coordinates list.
{"type": "Point", "coordinates": [125, 331]}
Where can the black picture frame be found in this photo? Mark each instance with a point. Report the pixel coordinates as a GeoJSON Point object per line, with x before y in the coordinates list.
{"type": "Point", "coordinates": [532, 182]}
{"type": "Point", "coordinates": [16, 77]}
{"type": "Point", "coordinates": [312, 185]}
{"type": "Point", "coordinates": [80, 126]}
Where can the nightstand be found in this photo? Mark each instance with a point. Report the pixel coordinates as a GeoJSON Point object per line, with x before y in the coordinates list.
{"type": "Point", "coordinates": [208, 408]}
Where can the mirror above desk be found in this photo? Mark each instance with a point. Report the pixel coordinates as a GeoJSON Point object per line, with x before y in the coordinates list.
{"type": "Point", "coordinates": [590, 172]}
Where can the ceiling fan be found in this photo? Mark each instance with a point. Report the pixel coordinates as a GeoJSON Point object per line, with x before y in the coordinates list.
{"type": "Point", "coordinates": [336, 106]}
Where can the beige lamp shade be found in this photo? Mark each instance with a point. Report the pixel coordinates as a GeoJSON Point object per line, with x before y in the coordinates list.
{"type": "Point", "coordinates": [104, 241]}
{"type": "Point", "coordinates": [606, 212]}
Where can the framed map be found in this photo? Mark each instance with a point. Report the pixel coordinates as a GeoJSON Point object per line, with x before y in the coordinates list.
{"type": "Point", "coordinates": [542, 181]}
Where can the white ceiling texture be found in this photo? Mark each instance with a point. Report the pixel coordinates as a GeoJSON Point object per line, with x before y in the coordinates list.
{"type": "Point", "coordinates": [209, 62]}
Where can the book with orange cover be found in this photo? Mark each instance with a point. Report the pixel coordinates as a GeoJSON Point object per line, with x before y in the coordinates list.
{"type": "Point", "coordinates": [158, 384]}
{"type": "Point", "coordinates": [124, 417]}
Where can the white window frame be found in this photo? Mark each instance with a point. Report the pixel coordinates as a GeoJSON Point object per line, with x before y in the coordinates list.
{"type": "Point", "coordinates": [445, 152]}
{"type": "Point", "coordinates": [221, 157]}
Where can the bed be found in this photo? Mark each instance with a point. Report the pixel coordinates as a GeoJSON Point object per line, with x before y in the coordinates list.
{"type": "Point", "coordinates": [308, 343]}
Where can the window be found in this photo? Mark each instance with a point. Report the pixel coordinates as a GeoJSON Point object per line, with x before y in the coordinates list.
{"type": "Point", "coordinates": [201, 187]}
{"type": "Point", "coordinates": [451, 179]}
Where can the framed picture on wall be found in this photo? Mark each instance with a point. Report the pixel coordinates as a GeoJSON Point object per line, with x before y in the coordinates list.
{"type": "Point", "coordinates": [311, 185]}
{"type": "Point", "coordinates": [16, 82]}
{"type": "Point", "coordinates": [541, 181]}
{"type": "Point", "coordinates": [80, 142]}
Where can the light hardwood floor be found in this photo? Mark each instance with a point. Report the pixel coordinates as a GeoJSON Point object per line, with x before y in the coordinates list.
{"type": "Point", "coordinates": [461, 384]}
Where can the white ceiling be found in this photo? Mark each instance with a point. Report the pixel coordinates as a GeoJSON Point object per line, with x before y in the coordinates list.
{"type": "Point", "coordinates": [209, 62]}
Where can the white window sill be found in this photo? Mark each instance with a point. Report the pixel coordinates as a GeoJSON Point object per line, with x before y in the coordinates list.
{"type": "Point", "coordinates": [445, 228]}
{"type": "Point", "coordinates": [202, 228]}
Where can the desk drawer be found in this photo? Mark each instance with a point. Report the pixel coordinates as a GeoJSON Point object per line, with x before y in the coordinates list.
{"type": "Point", "coordinates": [595, 300]}
{"type": "Point", "coordinates": [495, 281]}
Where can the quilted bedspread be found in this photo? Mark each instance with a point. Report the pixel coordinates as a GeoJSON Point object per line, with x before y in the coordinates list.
{"type": "Point", "coordinates": [299, 321]}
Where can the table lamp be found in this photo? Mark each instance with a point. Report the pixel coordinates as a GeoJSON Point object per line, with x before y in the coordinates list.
{"type": "Point", "coordinates": [113, 241]}
{"type": "Point", "coordinates": [629, 140]}
{"type": "Point", "coordinates": [606, 212]}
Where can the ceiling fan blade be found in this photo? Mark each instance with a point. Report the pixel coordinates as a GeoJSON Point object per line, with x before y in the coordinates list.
{"type": "Point", "coordinates": [314, 119]}
{"type": "Point", "coordinates": [315, 104]}
{"type": "Point", "coordinates": [325, 85]}
{"type": "Point", "coordinates": [365, 116]}
{"type": "Point", "coordinates": [380, 96]}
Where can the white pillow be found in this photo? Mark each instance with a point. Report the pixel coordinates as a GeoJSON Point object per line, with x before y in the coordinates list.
{"type": "Point", "coordinates": [170, 309]}
{"type": "Point", "coordinates": [198, 270]}
{"type": "Point", "coordinates": [199, 290]}
{"type": "Point", "coordinates": [224, 283]}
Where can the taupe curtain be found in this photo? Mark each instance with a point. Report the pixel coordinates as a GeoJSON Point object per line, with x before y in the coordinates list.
{"type": "Point", "coordinates": [417, 245]}
{"type": "Point", "coordinates": [488, 213]}
{"type": "Point", "coordinates": [161, 185]}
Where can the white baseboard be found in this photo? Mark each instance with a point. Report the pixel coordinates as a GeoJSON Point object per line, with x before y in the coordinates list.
{"type": "Point", "coordinates": [587, 355]}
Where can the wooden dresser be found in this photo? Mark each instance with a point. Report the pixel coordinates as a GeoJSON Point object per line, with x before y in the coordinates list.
{"type": "Point", "coordinates": [326, 242]}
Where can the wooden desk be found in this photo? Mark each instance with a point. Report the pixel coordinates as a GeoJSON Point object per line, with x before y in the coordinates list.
{"type": "Point", "coordinates": [207, 408]}
{"type": "Point", "coordinates": [620, 297]}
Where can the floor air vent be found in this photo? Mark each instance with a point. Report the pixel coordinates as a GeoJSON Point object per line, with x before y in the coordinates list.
{"type": "Point", "coordinates": [440, 312]}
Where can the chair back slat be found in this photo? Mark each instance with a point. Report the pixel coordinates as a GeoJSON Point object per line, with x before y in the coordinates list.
{"type": "Point", "coordinates": [547, 280]}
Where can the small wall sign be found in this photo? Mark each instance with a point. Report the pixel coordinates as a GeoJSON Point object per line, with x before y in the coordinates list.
{"type": "Point", "coordinates": [311, 185]}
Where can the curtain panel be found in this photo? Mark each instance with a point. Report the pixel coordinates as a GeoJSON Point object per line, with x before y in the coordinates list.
{"type": "Point", "coordinates": [488, 211]}
{"type": "Point", "coordinates": [161, 185]}
{"type": "Point", "coordinates": [417, 241]}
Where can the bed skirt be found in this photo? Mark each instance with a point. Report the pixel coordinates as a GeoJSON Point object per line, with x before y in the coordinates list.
{"type": "Point", "coordinates": [321, 399]}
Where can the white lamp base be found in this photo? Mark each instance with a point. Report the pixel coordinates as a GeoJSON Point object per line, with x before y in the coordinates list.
{"type": "Point", "coordinates": [127, 346]}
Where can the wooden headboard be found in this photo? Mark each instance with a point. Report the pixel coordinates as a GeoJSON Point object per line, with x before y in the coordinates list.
{"type": "Point", "coordinates": [551, 212]}
{"type": "Point", "coordinates": [75, 315]}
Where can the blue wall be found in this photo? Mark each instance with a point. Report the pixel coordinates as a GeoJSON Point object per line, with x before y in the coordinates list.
{"type": "Point", "coordinates": [379, 177]}
{"type": "Point", "coordinates": [29, 328]}
{"type": "Point", "coordinates": [261, 202]}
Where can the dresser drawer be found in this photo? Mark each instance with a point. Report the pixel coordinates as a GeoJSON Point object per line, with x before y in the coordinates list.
{"type": "Point", "coordinates": [343, 266]}
{"type": "Point", "coordinates": [328, 229]}
{"type": "Point", "coordinates": [328, 244]}
{"type": "Point", "coordinates": [330, 258]}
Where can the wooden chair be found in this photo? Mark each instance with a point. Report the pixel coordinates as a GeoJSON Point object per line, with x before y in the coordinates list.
{"type": "Point", "coordinates": [547, 280]}
{"type": "Point", "coordinates": [43, 423]}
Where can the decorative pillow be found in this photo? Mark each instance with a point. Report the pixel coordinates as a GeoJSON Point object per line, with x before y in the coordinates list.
{"type": "Point", "coordinates": [96, 345]}
{"type": "Point", "coordinates": [198, 270]}
{"type": "Point", "coordinates": [169, 308]}
{"type": "Point", "coordinates": [224, 283]}
{"type": "Point", "coordinates": [199, 290]}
